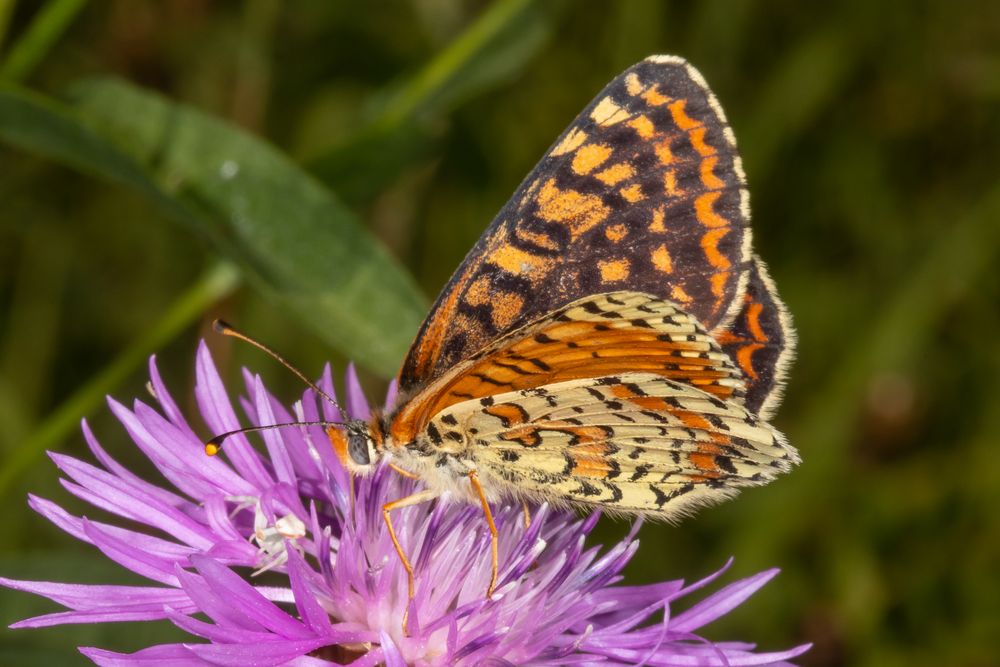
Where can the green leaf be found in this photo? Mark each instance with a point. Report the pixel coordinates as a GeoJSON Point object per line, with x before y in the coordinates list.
{"type": "Point", "coordinates": [288, 233]}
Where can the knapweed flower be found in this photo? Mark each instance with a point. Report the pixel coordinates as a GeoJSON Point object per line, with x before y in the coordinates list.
{"type": "Point", "coordinates": [336, 590]}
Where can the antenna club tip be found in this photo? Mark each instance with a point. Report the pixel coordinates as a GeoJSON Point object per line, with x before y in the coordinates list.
{"type": "Point", "coordinates": [211, 449]}
{"type": "Point", "coordinates": [221, 326]}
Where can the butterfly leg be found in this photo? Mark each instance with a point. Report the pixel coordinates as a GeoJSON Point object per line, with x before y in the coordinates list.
{"type": "Point", "coordinates": [494, 537]}
{"type": "Point", "coordinates": [415, 499]}
{"type": "Point", "coordinates": [404, 473]}
{"type": "Point", "coordinates": [527, 514]}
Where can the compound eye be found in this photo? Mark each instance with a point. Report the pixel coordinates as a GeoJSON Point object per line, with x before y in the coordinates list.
{"type": "Point", "coordinates": [359, 446]}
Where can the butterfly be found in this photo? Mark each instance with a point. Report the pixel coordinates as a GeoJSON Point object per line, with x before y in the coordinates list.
{"type": "Point", "coordinates": [611, 341]}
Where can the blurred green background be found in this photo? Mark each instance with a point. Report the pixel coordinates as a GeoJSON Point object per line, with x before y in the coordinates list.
{"type": "Point", "coordinates": [164, 163]}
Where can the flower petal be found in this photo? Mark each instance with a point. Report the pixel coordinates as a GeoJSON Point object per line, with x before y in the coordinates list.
{"type": "Point", "coordinates": [720, 603]}
{"type": "Point", "coordinates": [262, 654]}
{"type": "Point", "coordinates": [357, 404]}
{"type": "Point", "coordinates": [239, 594]}
{"type": "Point", "coordinates": [166, 655]}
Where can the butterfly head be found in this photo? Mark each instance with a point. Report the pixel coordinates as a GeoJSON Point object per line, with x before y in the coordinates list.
{"type": "Point", "coordinates": [358, 445]}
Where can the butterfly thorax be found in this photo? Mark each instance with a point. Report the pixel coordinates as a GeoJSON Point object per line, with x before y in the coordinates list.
{"type": "Point", "coordinates": [442, 466]}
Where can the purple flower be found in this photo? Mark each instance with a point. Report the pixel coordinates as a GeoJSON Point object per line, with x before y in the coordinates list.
{"type": "Point", "coordinates": [341, 590]}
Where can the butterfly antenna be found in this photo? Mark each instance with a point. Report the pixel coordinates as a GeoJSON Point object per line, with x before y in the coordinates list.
{"type": "Point", "coordinates": [227, 330]}
{"type": "Point", "coordinates": [213, 446]}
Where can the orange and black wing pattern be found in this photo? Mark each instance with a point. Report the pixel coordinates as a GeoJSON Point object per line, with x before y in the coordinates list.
{"type": "Point", "coordinates": [643, 192]}
{"type": "Point", "coordinates": [598, 335]}
{"type": "Point", "coordinates": [761, 341]}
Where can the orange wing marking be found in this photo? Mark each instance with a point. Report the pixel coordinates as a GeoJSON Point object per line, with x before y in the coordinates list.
{"type": "Point", "coordinates": [643, 127]}
{"type": "Point", "coordinates": [613, 270]}
{"type": "Point", "coordinates": [589, 157]}
{"type": "Point", "coordinates": [697, 137]}
{"type": "Point", "coordinates": [616, 173]}
{"type": "Point", "coordinates": [708, 177]}
{"type": "Point", "coordinates": [705, 212]}
{"type": "Point", "coordinates": [683, 121]}
{"type": "Point", "coordinates": [632, 193]}
{"type": "Point", "coordinates": [520, 262]}
{"type": "Point", "coordinates": [579, 212]}
{"type": "Point", "coordinates": [661, 259]}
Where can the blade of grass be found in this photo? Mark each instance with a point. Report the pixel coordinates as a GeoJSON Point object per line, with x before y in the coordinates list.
{"type": "Point", "coordinates": [45, 30]}
{"type": "Point", "coordinates": [459, 67]}
{"type": "Point", "coordinates": [218, 282]}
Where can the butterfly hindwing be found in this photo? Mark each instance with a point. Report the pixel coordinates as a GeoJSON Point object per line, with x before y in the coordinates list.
{"type": "Point", "coordinates": [591, 337]}
{"type": "Point", "coordinates": [643, 192]}
{"type": "Point", "coordinates": [761, 340]}
{"type": "Point", "coordinates": [634, 442]}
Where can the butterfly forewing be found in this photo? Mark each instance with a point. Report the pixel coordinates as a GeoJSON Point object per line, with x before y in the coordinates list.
{"type": "Point", "coordinates": [634, 442]}
{"type": "Point", "coordinates": [644, 191]}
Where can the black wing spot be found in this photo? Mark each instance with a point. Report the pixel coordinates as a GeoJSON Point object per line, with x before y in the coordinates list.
{"type": "Point", "coordinates": [616, 493]}
{"type": "Point", "coordinates": [513, 367]}
{"type": "Point", "coordinates": [640, 472]}
{"type": "Point", "coordinates": [449, 420]}
{"type": "Point", "coordinates": [716, 421]}
{"type": "Point", "coordinates": [586, 489]}
{"type": "Point", "coordinates": [540, 364]}
{"type": "Point", "coordinates": [570, 464]}
{"type": "Point", "coordinates": [725, 463]}
{"type": "Point", "coordinates": [656, 416]}
{"type": "Point", "coordinates": [635, 389]}
{"type": "Point", "coordinates": [488, 379]}
{"type": "Point", "coordinates": [716, 402]}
